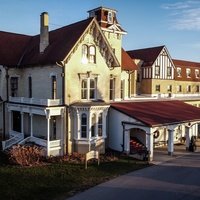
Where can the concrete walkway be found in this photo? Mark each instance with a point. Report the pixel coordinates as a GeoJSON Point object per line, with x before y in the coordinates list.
{"type": "Point", "coordinates": [171, 178]}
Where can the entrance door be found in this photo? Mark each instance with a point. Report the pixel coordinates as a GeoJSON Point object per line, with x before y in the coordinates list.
{"type": "Point", "coordinates": [16, 121]}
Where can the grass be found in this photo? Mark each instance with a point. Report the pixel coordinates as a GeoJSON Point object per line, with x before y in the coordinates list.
{"type": "Point", "coordinates": [58, 180]}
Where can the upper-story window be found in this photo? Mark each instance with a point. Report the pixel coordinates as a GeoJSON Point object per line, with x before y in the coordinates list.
{"type": "Point", "coordinates": [122, 88]}
{"type": "Point", "coordinates": [53, 87]}
{"type": "Point", "coordinates": [88, 54]}
{"type": "Point", "coordinates": [88, 88]}
{"type": "Point", "coordinates": [30, 87]}
{"type": "Point", "coordinates": [112, 89]}
{"type": "Point", "coordinates": [14, 86]}
{"type": "Point", "coordinates": [110, 17]}
{"type": "Point", "coordinates": [197, 73]}
{"type": "Point", "coordinates": [169, 71]}
{"type": "Point", "coordinates": [178, 71]}
{"type": "Point", "coordinates": [83, 125]}
{"type": "Point", "coordinates": [157, 70]}
{"type": "Point", "coordinates": [188, 73]}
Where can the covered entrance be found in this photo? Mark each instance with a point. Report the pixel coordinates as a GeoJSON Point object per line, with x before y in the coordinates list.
{"type": "Point", "coordinates": [157, 122]}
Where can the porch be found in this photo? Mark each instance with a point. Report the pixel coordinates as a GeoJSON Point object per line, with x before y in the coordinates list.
{"type": "Point", "coordinates": [43, 126]}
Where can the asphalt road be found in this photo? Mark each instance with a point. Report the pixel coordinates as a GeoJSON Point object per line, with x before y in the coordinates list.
{"type": "Point", "coordinates": [176, 179]}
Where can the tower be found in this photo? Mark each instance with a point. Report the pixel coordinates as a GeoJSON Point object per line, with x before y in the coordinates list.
{"type": "Point", "coordinates": [106, 17]}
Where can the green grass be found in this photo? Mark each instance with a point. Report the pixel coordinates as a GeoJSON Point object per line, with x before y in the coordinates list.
{"type": "Point", "coordinates": [58, 180]}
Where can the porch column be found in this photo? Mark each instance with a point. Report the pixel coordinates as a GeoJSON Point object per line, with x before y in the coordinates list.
{"type": "Point", "coordinates": [170, 142]}
{"type": "Point", "coordinates": [22, 123]}
{"type": "Point", "coordinates": [187, 136]}
{"type": "Point", "coordinates": [31, 124]}
{"type": "Point", "coordinates": [62, 134]}
{"type": "Point", "coordinates": [150, 145]}
{"type": "Point", "coordinates": [127, 141]}
{"type": "Point", "coordinates": [48, 135]}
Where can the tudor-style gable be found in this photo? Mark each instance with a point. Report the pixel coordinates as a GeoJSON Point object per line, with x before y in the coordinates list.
{"type": "Point", "coordinates": [156, 62]}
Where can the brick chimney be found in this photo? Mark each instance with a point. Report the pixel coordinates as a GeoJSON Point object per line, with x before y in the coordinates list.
{"type": "Point", "coordinates": [44, 31]}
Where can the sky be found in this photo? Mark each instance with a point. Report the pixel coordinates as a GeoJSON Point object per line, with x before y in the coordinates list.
{"type": "Point", "coordinates": [149, 23]}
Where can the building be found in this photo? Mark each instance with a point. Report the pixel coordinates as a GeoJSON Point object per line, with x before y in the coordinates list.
{"type": "Point", "coordinates": [59, 89]}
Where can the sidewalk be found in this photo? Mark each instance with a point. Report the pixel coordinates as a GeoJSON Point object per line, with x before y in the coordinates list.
{"type": "Point", "coordinates": [161, 153]}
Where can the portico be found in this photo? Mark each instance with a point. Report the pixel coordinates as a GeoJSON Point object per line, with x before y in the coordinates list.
{"type": "Point", "coordinates": [165, 122]}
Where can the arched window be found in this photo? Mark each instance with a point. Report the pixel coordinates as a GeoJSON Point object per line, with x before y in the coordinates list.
{"type": "Point", "coordinates": [83, 125]}
{"type": "Point", "coordinates": [84, 54]}
{"type": "Point", "coordinates": [100, 124]}
{"type": "Point", "coordinates": [92, 54]}
{"type": "Point", "coordinates": [93, 128]}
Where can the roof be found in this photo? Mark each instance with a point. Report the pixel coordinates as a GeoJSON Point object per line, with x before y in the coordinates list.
{"type": "Point", "coordinates": [12, 47]}
{"type": "Point", "coordinates": [61, 41]}
{"type": "Point", "coordinates": [184, 63]}
{"type": "Point", "coordinates": [155, 113]}
{"type": "Point", "coordinates": [127, 62]}
{"type": "Point", "coordinates": [148, 55]}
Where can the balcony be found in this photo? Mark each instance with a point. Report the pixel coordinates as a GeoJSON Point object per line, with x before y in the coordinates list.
{"type": "Point", "coordinates": [35, 101]}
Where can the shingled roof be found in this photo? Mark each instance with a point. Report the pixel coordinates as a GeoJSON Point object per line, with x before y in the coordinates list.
{"type": "Point", "coordinates": [148, 55]}
{"type": "Point", "coordinates": [12, 47]}
{"type": "Point", "coordinates": [185, 63]}
{"type": "Point", "coordinates": [128, 63]}
{"type": "Point", "coordinates": [156, 113]}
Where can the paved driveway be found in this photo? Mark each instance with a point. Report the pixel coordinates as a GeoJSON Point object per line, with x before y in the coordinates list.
{"type": "Point", "coordinates": [176, 179]}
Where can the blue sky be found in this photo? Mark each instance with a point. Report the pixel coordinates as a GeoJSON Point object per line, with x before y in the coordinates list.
{"type": "Point", "coordinates": [174, 23]}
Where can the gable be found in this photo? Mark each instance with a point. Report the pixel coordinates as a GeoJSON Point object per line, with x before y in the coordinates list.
{"type": "Point", "coordinates": [165, 65]}
{"type": "Point", "coordinates": [100, 41]}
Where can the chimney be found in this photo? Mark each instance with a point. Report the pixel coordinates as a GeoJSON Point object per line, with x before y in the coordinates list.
{"type": "Point", "coordinates": [44, 31]}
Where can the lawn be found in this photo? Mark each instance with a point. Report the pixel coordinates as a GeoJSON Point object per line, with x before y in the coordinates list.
{"type": "Point", "coordinates": [58, 180]}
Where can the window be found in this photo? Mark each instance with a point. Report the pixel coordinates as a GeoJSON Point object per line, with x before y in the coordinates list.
{"type": "Point", "coordinates": [157, 88]}
{"type": "Point", "coordinates": [14, 86]}
{"type": "Point", "coordinates": [100, 125]}
{"type": "Point", "coordinates": [92, 54]}
{"type": "Point", "coordinates": [188, 73]}
{"type": "Point", "coordinates": [88, 54]}
{"type": "Point", "coordinates": [188, 88]}
{"type": "Point", "coordinates": [83, 125]}
{"type": "Point", "coordinates": [157, 70]}
{"type": "Point", "coordinates": [93, 128]}
{"type": "Point", "coordinates": [122, 88]}
{"type": "Point", "coordinates": [88, 88]}
{"type": "Point", "coordinates": [110, 17]}
{"type": "Point", "coordinates": [197, 88]}
{"type": "Point", "coordinates": [30, 87]}
{"type": "Point", "coordinates": [54, 86]}
{"type": "Point", "coordinates": [54, 127]}
{"type": "Point", "coordinates": [178, 72]}
{"type": "Point", "coordinates": [112, 89]}
{"type": "Point", "coordinates": [197, 73]}
{"type": "Point", "coordinates": [179, 88]}
{"type": "Point", "coordinates": [169, 88]}
{"type": "Point", "coordinates": [169, 71]}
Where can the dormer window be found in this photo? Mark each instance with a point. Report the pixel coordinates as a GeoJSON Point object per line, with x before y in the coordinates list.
{"type": "Point", "coordinates": [110, 17]}
{"type": "Point", "coordinates": [188, 73]}
{"type": "Point", "coordinates": [88, 54]}
{"type": "Point", "coordinates": [179, 72]}
{"type": "Point", "coordinates": [197, 73]}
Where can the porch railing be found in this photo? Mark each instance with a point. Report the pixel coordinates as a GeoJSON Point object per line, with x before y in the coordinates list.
{"type": "Point", "coordinates": [35, 101]}
{"type": "Point", "coordinates": [13, 140]}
